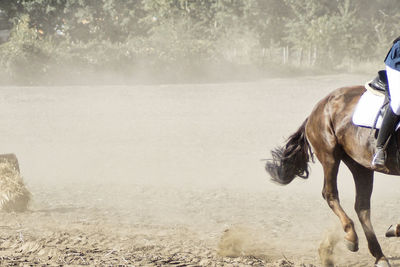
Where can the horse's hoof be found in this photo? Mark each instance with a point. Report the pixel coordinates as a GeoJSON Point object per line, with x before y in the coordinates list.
{"type": "Point", "coordinates": [353, 247]}
{"type": "Point", "coordinates": [382, 263]}
{"type": "Point", "coordinates": [393, 231]}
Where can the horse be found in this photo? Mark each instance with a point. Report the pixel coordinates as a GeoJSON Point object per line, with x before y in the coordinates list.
{"type": "Point", "coordinates": [329, 134]}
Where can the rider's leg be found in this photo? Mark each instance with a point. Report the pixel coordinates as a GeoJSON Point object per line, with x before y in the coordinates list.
{"type": "Point", "coordinates": [390, 119]}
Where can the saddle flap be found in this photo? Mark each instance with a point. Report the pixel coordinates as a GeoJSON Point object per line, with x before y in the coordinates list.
{"type": "Point", "coordinates": [369, 110]}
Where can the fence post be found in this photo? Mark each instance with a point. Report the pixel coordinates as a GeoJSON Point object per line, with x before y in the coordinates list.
{"type": "Point", "coordinates": [284, 55]}
{"type": "Point", "coordinates": [301, 56]}
{"type": "Point", "coordinates": [287, 55]}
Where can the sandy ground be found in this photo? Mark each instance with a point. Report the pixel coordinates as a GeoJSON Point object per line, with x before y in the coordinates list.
{"type": "Point", "coordinates": [174, 175]}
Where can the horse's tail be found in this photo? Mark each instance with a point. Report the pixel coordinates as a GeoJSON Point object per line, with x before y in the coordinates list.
{"type": "Point", "coordinates": [292, 159]}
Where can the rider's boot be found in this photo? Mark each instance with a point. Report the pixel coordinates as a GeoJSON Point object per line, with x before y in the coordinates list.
{"type": "Point", "coordinates": [390, 119]}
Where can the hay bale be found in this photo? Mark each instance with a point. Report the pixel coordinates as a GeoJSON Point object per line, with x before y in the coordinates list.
{"type": "Point", "coordinates": [14, 196]}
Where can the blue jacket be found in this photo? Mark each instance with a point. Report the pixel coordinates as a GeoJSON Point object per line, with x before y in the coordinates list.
{"type": "Point", "coordinates": [392, 59]}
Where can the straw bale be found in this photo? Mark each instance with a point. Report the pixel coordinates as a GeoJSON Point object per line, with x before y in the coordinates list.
{"type": "Point", "coordinates": [14, 196]}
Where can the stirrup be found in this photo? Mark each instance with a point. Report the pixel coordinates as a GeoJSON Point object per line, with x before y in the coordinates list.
{"type": "Point", "coordinates": [379, 159]}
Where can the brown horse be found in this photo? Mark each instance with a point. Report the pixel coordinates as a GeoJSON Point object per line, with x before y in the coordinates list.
{"type": "Point", "coordinates": [330, 134]}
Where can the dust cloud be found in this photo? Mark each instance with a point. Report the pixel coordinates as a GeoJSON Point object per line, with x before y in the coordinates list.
{"type": "Point", "coordinates": [156, 174]}
{"type": "Point", "coordinates": [242, 241]}
{"type": "Point", "coordinates": [328, 248]}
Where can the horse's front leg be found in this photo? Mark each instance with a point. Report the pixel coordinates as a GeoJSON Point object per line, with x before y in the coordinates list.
{"type": "Point", "coordinates": [364, 179]}
{"type": "Point", "coordinates": [331, 195]}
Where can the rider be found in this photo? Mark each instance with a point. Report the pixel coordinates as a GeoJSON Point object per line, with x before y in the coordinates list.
{"type": "Point", "coordinates": [392, 114]}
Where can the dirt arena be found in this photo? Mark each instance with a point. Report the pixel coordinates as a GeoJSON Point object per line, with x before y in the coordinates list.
{"type": "Point", "coordinates": [173, 175]}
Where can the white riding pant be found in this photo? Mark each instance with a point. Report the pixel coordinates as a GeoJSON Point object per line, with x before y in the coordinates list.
{"type": "Point", "coordinates": [394, 89]}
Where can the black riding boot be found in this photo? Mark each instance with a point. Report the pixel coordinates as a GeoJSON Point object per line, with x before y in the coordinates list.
{"type": "Point", "coordinates": [390, 120]}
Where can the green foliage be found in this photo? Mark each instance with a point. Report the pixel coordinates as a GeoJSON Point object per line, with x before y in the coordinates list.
{"type": "Point", "coordinates": [128, 36]}
{"type": "Point", "coordinates": [25, 55]}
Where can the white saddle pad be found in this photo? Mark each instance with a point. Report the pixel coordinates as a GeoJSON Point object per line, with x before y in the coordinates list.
{"type": "Point", "coordinates": [367, 109]}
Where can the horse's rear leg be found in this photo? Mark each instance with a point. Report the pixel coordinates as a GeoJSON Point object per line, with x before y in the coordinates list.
{"type": "Point", "coordinates": [393, 231]}
{"type": "Point", "coordinates": [330, 193]}
{"type": "Point", "coordinates": [364, 179]}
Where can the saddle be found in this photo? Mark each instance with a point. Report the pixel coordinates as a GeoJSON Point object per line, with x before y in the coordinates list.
{"type": "Point", "coordinates": [379, 85]}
